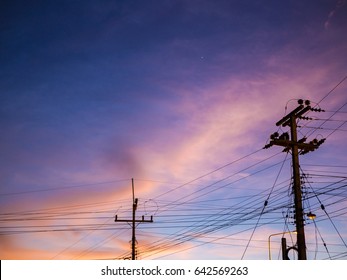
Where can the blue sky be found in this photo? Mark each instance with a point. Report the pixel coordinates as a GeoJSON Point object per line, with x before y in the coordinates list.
{"type": "Point", "coordinates": [96, 93]}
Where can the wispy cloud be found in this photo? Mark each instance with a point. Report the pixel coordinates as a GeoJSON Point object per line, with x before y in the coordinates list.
{"type": "Point", "coordinates": [339, 5]}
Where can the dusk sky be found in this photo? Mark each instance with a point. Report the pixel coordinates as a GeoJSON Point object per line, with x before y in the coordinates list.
{"type": "Point", "coordinates": [181, 96]}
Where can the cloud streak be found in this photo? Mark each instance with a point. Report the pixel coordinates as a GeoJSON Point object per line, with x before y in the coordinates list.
{"type": "Point", "coordinates": [332, 14]}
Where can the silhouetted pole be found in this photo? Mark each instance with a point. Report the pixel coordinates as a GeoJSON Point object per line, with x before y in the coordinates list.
{"type": "Point", "coordinates": [299, 213]}
{"type": "Point", "coordinates": [133, 239]}
{"type": "Point", "coordinates": [134, 221]}
{"type": "Point", "coordinates": [295, 145]}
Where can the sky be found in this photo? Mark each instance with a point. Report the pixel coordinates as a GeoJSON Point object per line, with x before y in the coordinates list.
{"type": "Point", "coordinates": [181, 96]}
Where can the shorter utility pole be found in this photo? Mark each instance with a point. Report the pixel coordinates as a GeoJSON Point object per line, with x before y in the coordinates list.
{"type": "Point", "coordinates": [133, 221]}
{"type": "Point", "coordinates": [274, 234]}
{"type": "Point", "coordinates": [296, 147]}
{"type": "Point", "coordinates": [284, 248]}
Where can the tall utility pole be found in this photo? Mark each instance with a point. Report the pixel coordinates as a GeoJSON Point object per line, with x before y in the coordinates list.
{"type": "Point", "coordinates": [133, 221]}
{"type": "Point", "coordinates": [297, 147]}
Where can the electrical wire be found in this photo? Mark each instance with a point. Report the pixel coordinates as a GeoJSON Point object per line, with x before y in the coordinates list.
{"type": "Point", "coordinates": [197, 219]}
{"type": "Point", "coordinates": [265, 204]}
{"type": "Point", "coordinates": [333, 89]}
{"type": "Point", "coordinates": [327, 214]}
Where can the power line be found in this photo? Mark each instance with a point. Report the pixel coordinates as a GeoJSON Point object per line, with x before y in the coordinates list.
{"type": "Point", "coordinates": [265, 204]}
{"type": "Point", "coordinates": [333, 89]}
{"type": "Point", "coordinates": [325, 211]}
{"type": "Point", "coordinates": [63, 187]}
{"type": "Point", "coordinates": [209, 173]}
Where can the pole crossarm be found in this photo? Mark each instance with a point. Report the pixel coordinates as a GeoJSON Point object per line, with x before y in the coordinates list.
{"type": "Point", "coordinates": [287, 117]}
{"type": "Point", "coordinates": [131, 220]}
{"type": "Point", "coordinates": [296, 113]}
{"type": "Point", "coordinates": [309, 147]}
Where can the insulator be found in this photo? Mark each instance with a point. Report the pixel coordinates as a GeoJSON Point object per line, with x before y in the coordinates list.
{"type": "Point", "coordinates": [317, 110]}
{"type": "Point", "coordinates": [307, 102]}
{"type": "Point", "coordinates": [320, 142]}
{"type": "Point", "coordinates": [267, 146]}
{"type": "Point", "coordinates": [300, 101]}
{"type": "Point", "coordinates": [274, 135]}
{"type": "Point", "coordinates": [284, 136]}
{"type": "Point", "coordinates": [306, 118]}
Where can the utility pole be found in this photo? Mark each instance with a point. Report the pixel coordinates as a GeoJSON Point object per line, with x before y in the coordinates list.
{"type": "Point", "coordinates": [296, 147]}
{"type": "Point", "coordinates": [134, 221]}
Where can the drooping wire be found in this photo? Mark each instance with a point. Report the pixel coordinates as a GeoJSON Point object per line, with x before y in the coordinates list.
{"type": "Point", "coordinates": [180, 233]}
{"type": "Point", "coordinates": [64, 187]}
{"type": "Point", "coordinates": [327, 214]}
{"type": "Point", "coordinates": [321, 237]}
{"type": "Point", "coordinates": [326, 120]}
{"type": "Point", "coordinates": [182, 237]}
{"type": "Point", "coordinates": [174, 203]}
{"type": "Point", "coordinates": [264, 206]}
{"type": "Point", "coordinates": [333, 89]}
{"type": "Point", "coordinates": [83, 237]}
{"type": "Point", "coordinates": [336, 129]}
{"type": "Point", "coordinates": [209, 173]}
